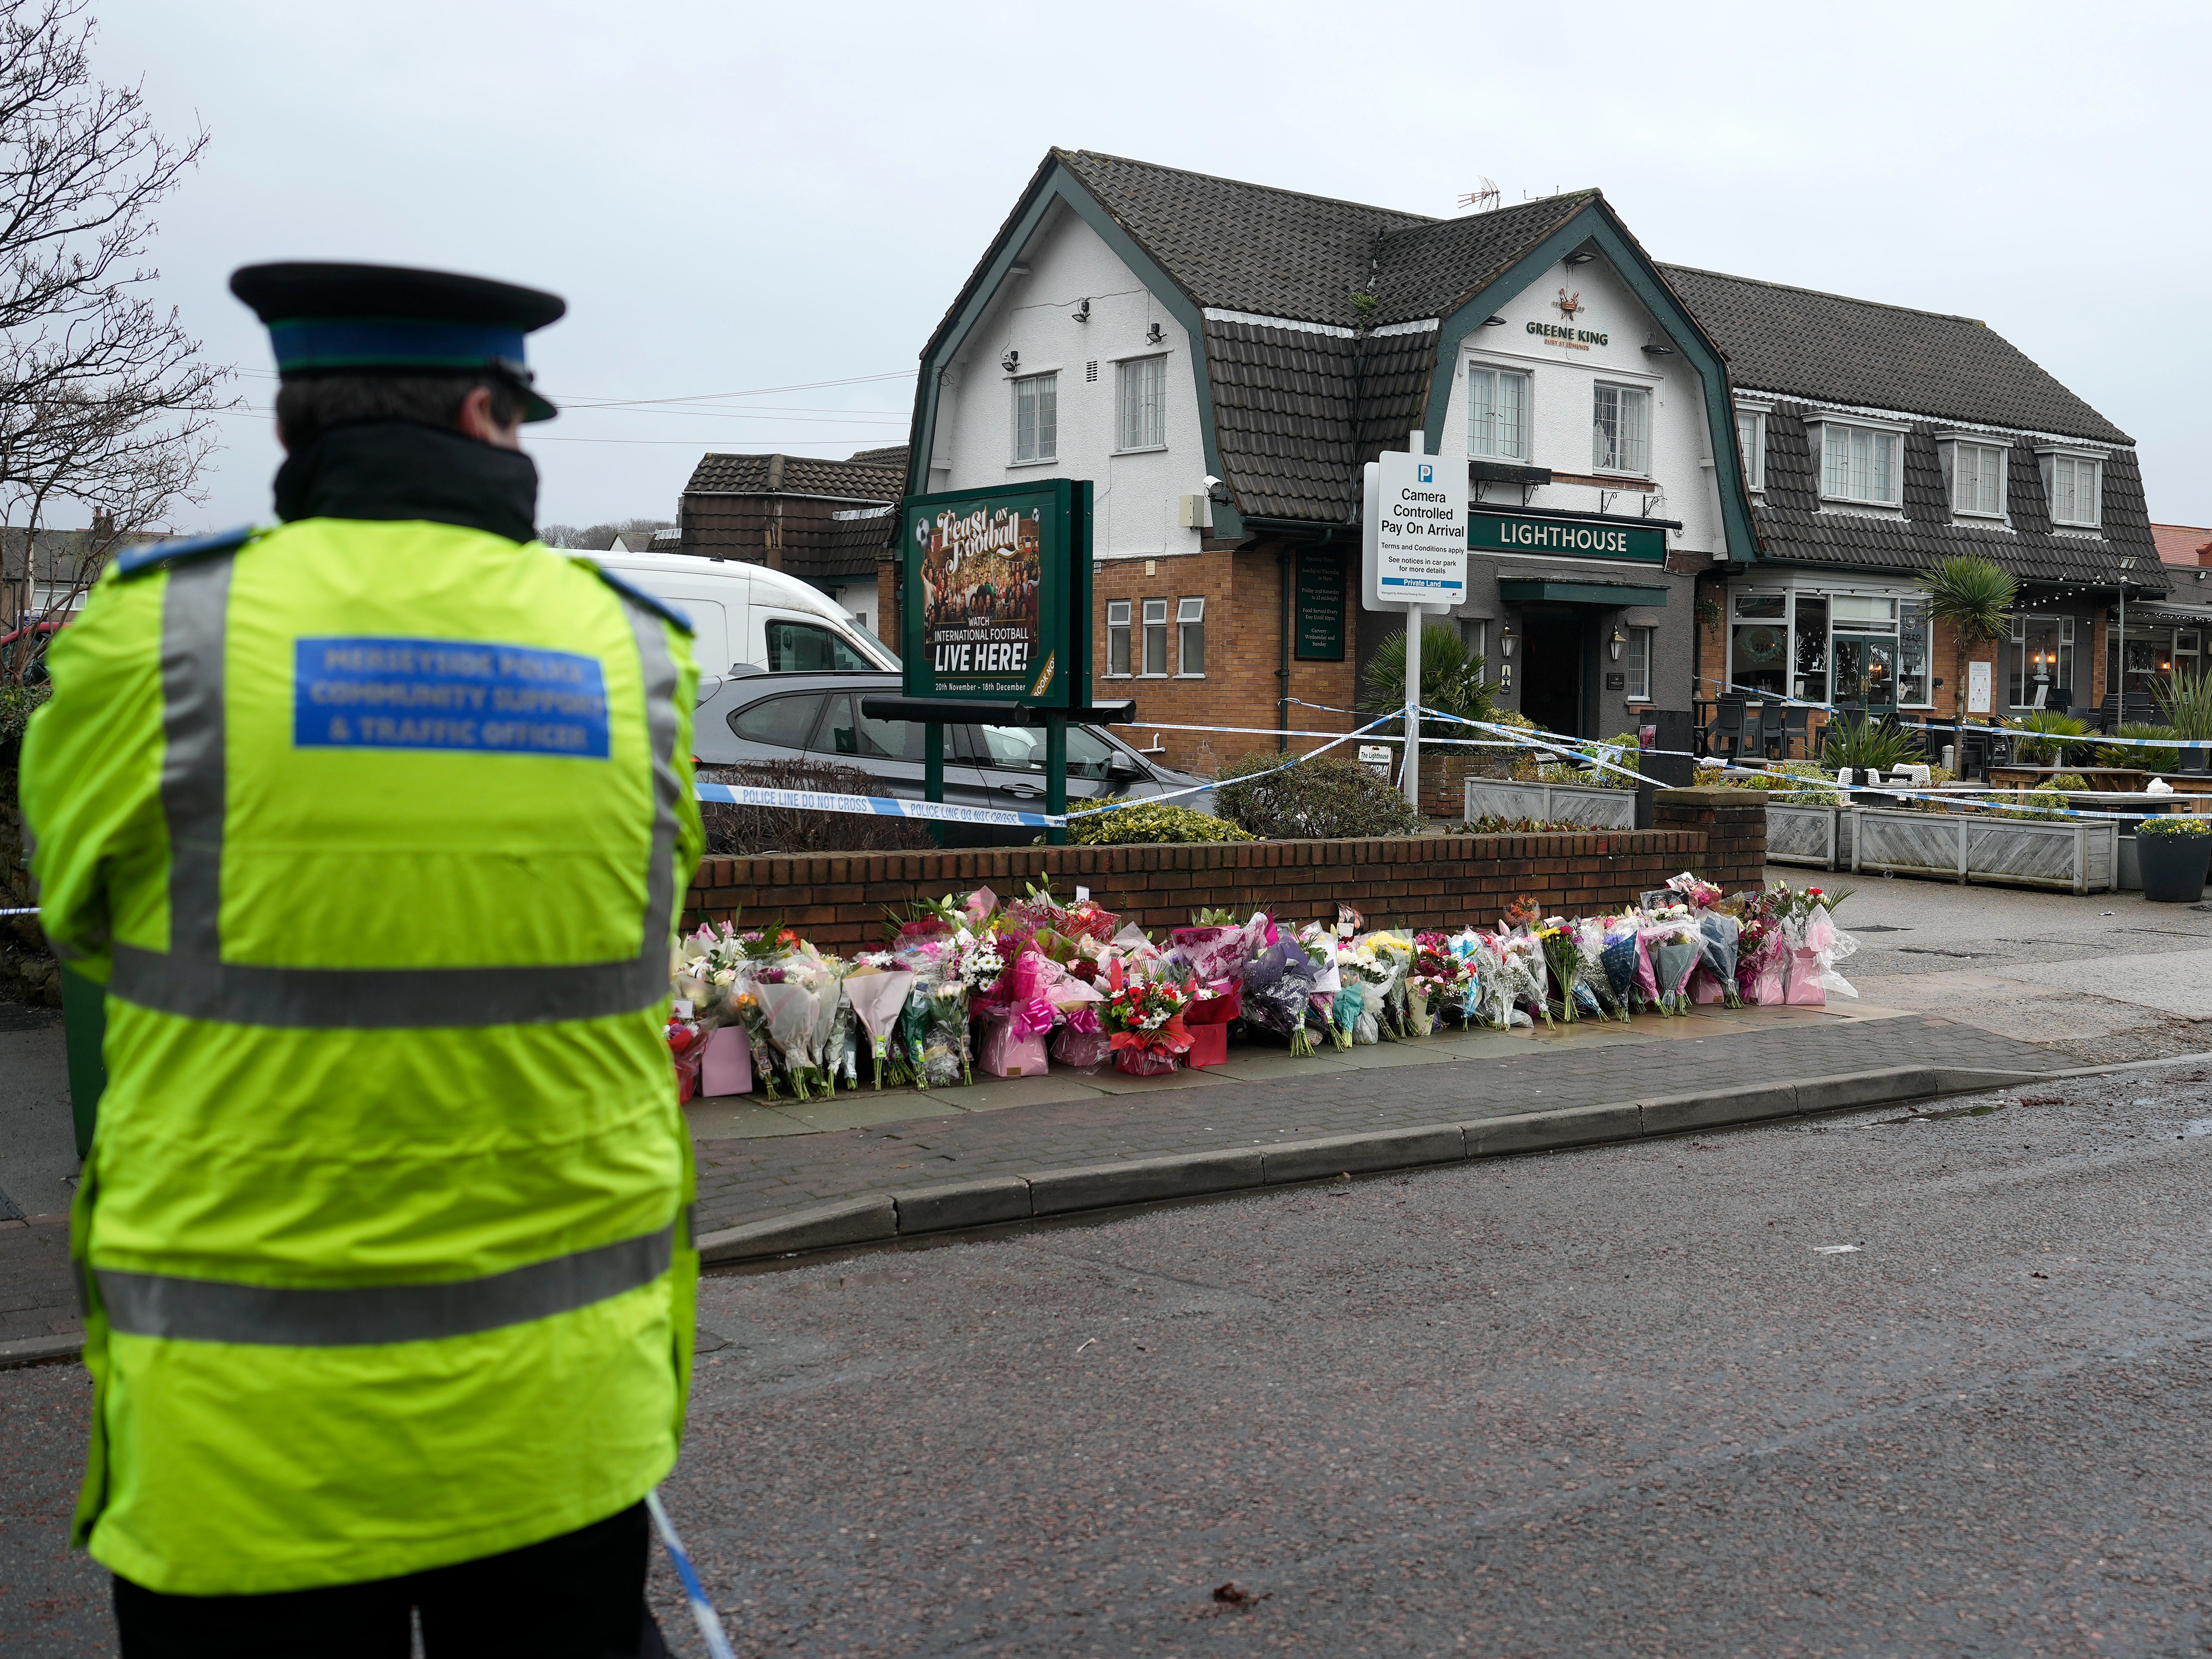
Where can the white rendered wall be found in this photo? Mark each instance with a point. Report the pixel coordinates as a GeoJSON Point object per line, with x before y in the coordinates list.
{"type": "Point", "coordinates": [1135, 494]}
{"type": "Point", "coordinates": [1561, 385]}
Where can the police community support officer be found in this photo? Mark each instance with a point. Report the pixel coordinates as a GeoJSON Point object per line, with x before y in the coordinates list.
{"type": "Point", "coordinates": [375, 825]}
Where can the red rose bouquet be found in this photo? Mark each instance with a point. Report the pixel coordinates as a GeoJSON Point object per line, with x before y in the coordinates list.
{"type": "Point", "coordinates": [1145, 1017]}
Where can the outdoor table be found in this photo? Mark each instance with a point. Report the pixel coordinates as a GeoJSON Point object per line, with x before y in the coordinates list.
{"type": "Point", "coordinates": [2114, 779]}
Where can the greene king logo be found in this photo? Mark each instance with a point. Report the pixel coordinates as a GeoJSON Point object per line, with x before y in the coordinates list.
{"type": "Point", "coordinates": [1427, 474]}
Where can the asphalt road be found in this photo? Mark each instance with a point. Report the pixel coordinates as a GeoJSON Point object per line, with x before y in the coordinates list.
{"type": "Point", "coordinates": [1619, 1400]}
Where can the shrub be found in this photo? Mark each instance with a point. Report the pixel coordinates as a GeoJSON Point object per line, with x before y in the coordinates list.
{"type": "Point", "coordinates": [2185, 701]}
{"type": "Point", "coordinates": [1324, 798]}
{"type": "Point", "coordinates": [1491, 824]}
{"type": "Point", "coordinates": [2070, 780]}
{"type": "Point", "coordinates": [742, 831]}
{"type": "Point", "coordinates": [2149, 760]}
{"type": "Point", "coordinates": [1160, 821]}
{"type": "Point", "coordinates": [2050, 725]}
{"type": "Point", "coordinates": [1451, 681]}
{"type": "Point", "coordinates": [2044, 803]}
{"type": "Point", "coordinates": [1867, 744]}
{"type": "Point", "coordinates": [1628, 755]}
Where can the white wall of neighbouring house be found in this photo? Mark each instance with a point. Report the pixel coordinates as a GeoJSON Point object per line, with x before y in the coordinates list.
{"type": "Point", "coordinates": [1136, 494]}
{"type": "Point", "coordinates": [1563, 379]}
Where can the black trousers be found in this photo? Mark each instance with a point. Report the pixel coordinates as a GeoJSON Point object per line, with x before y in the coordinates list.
{"type": "Point", "coordinates": [581, 1596]}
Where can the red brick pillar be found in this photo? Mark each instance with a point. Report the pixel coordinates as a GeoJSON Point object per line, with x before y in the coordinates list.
{"type": "Point", "coordinates": [1734, 822]}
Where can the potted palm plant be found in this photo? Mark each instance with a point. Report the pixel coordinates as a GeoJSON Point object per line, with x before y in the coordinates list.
{"type": "Point", "coordinates": [2172, 853]}
{"type": "Point", "coordinates": [1975, 596]}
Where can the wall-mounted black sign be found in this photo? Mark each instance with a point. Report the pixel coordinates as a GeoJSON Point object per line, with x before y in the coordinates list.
{"type": "Point", "coordinates": [1616, 682]}
{"type": "Point", "coordinates": [1318, 622]}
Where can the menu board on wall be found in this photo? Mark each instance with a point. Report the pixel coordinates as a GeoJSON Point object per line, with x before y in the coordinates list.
{"type": "Point", "coordinates": [1318, 608]}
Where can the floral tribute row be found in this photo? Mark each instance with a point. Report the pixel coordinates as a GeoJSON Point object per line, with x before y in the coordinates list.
{"type": "Point", "coordinates": [1013, 987]}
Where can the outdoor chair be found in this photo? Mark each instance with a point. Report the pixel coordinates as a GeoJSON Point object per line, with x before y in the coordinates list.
{"type": "Point", "coordinates": [1727, 728]}
{"type": "Point", "coordinates": [1773, 729]}
{"type": "Point", "coordinates": [1796, 724]}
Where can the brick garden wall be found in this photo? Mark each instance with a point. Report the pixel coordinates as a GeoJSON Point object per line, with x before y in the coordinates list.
{"type": "Point", "coordinates": [1410, 881]}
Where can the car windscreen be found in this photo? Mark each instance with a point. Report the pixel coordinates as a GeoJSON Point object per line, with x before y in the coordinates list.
{"type": "Point", "coordinates": [1021, 749]}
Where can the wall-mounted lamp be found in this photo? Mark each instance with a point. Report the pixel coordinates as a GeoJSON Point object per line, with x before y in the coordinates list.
{"type": "Point", "coordinates": [1614, 644]}
{"type": "Point", "coordinates": [1083, 310]}
{"type": "Point", "coordinates": [1577, 258]}
{"type": "Point", "coordinates": [1657, 349]}
{"type": "Point", "coordinates": [1505, 640]}
{"type": "Point", "coordinates": [1155, 335]}
{"type": "Point", "coordinates": [1011, 362]}
{"type": "Point", "coordinates": [1493, 322]}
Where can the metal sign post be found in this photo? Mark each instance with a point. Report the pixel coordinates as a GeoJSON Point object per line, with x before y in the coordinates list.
{"type": "Point", "coordinates": [1413, 537]}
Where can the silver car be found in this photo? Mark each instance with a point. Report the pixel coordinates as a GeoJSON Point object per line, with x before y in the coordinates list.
{"type": "Point", "coordinates": [754, 716]}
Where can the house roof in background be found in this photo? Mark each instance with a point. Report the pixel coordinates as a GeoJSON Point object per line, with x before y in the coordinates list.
{"type": "Point", "coordinates": [1239, 246]}
{"type": "Point", "coordinates": [1831, 350]}
{"type": "Point", "coordinates": [875, 474]}
{"type": "Point", "coordinates": [2182, 544]}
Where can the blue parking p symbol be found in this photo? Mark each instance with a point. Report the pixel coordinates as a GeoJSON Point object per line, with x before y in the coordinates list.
{"type": "Point", "coordinates": [1428, 475]}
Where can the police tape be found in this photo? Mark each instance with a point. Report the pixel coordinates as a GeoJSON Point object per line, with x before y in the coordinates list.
{"type": "Point", "coordinates": [695, 1593]}
{"type": "Point", "coordinates": [21, 910]}
{"type": "Point", "coordinates": [2021, 733]}
{"type": "Point", "coordinates": [891, 806]}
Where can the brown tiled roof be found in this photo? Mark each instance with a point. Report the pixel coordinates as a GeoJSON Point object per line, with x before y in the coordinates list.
{"type": "Point", "coordinates": [865, 477]}
{"type": "Point", "coordinates": [1827, 348]}
{"type": "Point", "coordinates": [1793, 528]}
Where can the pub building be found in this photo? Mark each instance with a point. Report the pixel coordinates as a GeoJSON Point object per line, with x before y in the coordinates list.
{"type": "Point", "coordinates": [1878, 440]}
{"type": "Point", "coordinates": [1676, 480]}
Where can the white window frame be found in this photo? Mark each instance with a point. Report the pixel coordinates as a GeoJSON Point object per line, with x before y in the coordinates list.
{"type": "Point", "coordinates": [1190, 612]}
{"type": "Point", "coordinates": [1124, 369]}
{"type": "Point", "coordinates": [2067, 659]}
{"type": "Point", "coordinates": [1622, 392]}
{"type": "Point", "coordinates": [1476, 436]}
{"type": "Point", "coordinates": [1043, 455]}
{"type": "Point", "coordinates": [1751, 448]}
{"type": "Point", "coordinates": [1155, 617]}
{"type": "Point", "coordinates": [1117, 622]}
{"type": "Point", "coordinates": [1952, 445]}
{"type": "Point", "coordinates": [1640, 641]}
{"type": "Point", "coordinates": [1827, 430]}
{"type": "Point", "coordinates": [2047, 457]}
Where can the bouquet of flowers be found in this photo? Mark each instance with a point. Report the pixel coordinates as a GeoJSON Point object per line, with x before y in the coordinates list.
{"type": "Point", "coordinates": [1366, 977]}
{"type": "Point", "coordinates": [1694, 891]}
{"type": "Point", "coordinates": [1482, 989]}
{"type": "Point", "coordinates": [1279, 991]}
{"type": "Point", "coordinates": [799, 992]}
{"type": "Point", "coordinates": [1717, 933]}
{"type": "Point", "coordinates": [1395, 949]}
{"type": "Point", "coordinates": [1625, 963]}
{"type": "Point", "coordinates": [1432, 984]}
{"type": "Point", "coordinates": [1591, 979]}
{"type": "Point", "coordinates": [1145, 1018]}
{"type": "Point", "coordinates": [1562, 957]}
{"type": "Point", "coordinates": [1318, 940]}
{"type": "Point", "coordinates": [1212, 950]}
{"type": "Point", "coordinates": [876, 993]}
{"type": "Point", "coordinates": [1673, 947]}
{"type": "Point", "coordinates": [1521, 972]}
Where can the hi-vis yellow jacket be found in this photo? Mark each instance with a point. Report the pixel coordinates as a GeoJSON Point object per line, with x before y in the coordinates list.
{"type": "Point", "coordinates": [376, 834]}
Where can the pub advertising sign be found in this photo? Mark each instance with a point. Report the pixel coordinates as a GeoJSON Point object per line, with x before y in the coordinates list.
{"type": "Point", "coordinates": [996, 596]}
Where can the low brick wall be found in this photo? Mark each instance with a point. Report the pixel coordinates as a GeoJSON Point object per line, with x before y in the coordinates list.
{"type": "Point", "coordinates": [1410, 881]}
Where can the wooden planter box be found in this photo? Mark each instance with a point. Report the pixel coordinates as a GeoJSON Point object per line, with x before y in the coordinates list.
{"type": "Point", "coordinates": [2079, 856]}
{"type": "Point", "coordinates": [1817, 835]}
{"type": "Point", "coordinates": [1549, 803]}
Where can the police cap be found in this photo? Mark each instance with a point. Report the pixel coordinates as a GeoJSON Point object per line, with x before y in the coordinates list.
{"type": "Point", "coordinates": [354, 319]}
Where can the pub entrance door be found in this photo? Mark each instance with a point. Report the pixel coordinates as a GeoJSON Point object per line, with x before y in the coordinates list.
{"type": "Point", "coordinates": [1553, 672]}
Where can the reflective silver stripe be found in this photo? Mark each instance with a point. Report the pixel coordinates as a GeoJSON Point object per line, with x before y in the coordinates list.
{"type": "Point", "coordinates": [219, 1310]}
{"type": "Point", "coordinates": [191, 980]}
{"type": "Point", "coordinates": [194, 611]}
{"type": "Point", "coordinates": [658, 670]}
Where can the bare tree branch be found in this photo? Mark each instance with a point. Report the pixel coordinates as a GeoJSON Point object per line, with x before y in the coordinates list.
{"type": "Point", "coordinates": [105, 404]}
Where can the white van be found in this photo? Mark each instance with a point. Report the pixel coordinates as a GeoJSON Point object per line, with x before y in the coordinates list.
{"type": "Point", "coordinates": [747, 614]}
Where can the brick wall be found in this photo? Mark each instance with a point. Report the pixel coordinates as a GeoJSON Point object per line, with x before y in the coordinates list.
{"type": "Point", "coordinates": [1730, 827]}
{"type": "Point", "coordinates": [1413, 881]}
{"type": "Point", "coordinates": [1243, 597]}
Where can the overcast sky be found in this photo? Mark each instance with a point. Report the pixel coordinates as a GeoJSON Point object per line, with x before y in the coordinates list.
{"type": "Point", "coordinates": [764, 209]}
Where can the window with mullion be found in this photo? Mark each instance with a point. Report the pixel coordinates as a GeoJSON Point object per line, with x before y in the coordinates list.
{"type": "Point", "coordinates": [1143, 388]}
{"type": "Point", "coordinates": [1620, 429]}
{"type": "Point", "coordinates": [1497, 413]}
{"type": "Point", "coordinates": [1036, 417]}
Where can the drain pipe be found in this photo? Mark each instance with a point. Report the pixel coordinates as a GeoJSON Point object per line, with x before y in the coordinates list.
{"type": "Point", "coordinates": [1283, 665]}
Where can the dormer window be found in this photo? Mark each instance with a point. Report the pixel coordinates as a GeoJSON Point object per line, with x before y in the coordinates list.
{"type": "Point", "coordinates": [1974, 468]}
{"type": "Point", "coordinates": [1751, 445]}
{"type": "Point", "coordinates": [1859, 463]}
{"type": "Point", "coordinates": [2073, 483]}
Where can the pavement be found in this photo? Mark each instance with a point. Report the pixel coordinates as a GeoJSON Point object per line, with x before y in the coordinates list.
{"type": "Point", "coordinates": [1882, 1383]}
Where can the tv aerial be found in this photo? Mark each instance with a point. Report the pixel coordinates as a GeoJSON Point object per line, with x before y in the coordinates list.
{"type": "Point", "coordinates": [1484, 199]}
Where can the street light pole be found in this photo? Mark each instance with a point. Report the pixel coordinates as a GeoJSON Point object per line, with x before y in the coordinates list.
{"type": "Point", "coordinates": [2126, 565]}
